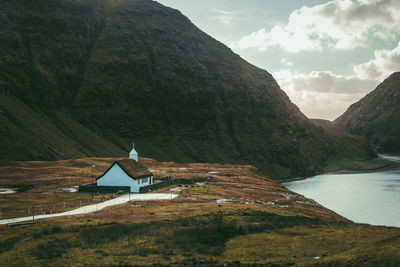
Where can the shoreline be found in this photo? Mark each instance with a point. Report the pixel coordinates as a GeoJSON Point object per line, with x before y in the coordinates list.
{"type": "Point", "coordinates": [328, 188]}
{"type": "Point", "coordinates": [393, 164]}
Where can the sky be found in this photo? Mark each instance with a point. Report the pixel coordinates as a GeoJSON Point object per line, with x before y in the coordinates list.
{"type": "Point", "coordinates": [324, 54]}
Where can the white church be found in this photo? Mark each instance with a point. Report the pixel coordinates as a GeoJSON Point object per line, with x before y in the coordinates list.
{"type": "Point", "coordinates": [127, 172]}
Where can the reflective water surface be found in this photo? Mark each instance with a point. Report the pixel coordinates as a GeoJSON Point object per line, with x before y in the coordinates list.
{"type": "Point", "coordinates": [372, 198]}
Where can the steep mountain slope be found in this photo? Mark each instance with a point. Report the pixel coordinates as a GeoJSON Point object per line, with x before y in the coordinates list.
{"type": "Point", "coordinates": [377, 116]}
{"type": "Point", "coordinates": [26, 134]}
{"type": "Point", "coordinates": [136, 69]}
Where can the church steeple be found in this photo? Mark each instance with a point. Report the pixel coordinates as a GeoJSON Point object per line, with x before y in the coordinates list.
{"type": "Point", "coordinates": [133, 154]}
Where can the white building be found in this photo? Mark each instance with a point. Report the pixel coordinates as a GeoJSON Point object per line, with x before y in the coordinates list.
{"type": "Point", "coordinates": [127, 172]}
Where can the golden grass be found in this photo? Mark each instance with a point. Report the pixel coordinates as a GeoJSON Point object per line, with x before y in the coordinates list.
{"type": "Point", "coordinates": [304, 245]}
{"type": "Point", "coordinates": [248, 228]}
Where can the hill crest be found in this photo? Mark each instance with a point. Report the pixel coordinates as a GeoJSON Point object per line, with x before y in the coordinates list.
{"type": "Point", "coordinates": [376, 116]}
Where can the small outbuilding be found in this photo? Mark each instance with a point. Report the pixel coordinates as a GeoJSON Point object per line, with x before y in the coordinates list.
{"type": "Point", "coordinates": [126, 173]}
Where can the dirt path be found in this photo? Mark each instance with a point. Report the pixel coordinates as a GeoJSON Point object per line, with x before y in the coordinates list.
{"type": "Point", "coordinates": [96, 207]}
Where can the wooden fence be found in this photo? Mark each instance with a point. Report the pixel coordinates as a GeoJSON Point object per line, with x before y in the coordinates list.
{"type": "Point", "coordinates": [166, 182]}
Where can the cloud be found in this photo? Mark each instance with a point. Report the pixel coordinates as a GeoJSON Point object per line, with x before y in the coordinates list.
{"type": "Point", "coordinates": [324, 105]}
{"type": "Point", "coordinates": [226, 17]}
{"type": "Point", "coordinates": [285, 61]}
{"type": "Point", "coordinates": [223, 16]}
{"type": "Point", "coordinates": [324, 81]}
{"type": "Point", "coordinates": [337, 24]}
{"type": "Point", "coordinates": [323, 94]}
{"type": "Point", "coordinates": [379, 68]}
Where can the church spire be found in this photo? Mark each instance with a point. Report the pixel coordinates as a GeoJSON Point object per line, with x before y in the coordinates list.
{"type": "Point", "coordinates": [133, 154]}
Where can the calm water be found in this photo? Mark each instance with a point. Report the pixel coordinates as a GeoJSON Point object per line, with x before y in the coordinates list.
{"type": "Point", "coordinates": [372, 198]}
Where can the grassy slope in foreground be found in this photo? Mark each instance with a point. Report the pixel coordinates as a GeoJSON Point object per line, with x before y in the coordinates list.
{"type": "Point", "coordinates": [192, 229]}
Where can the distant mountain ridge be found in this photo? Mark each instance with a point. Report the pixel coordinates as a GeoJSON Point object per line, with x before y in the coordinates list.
{"type": "Point", "coordinates": [91, 75]}
{"type": "Point", "coordinates": [377, 116]}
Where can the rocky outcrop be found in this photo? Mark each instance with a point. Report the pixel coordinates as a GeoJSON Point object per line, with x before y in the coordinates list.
{"type": "Point", "coordinates": [138, 70]}
{"type": "Point", "coordinates": [377, 116]}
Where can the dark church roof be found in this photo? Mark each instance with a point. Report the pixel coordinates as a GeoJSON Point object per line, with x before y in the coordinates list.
{"type": "Point", "coordinates": [133, 168]}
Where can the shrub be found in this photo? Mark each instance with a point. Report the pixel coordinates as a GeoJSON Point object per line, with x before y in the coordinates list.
{"type": "Point", "coordinates": [55, 229]}
{"type": "Point", "coordinates": [52, 249]}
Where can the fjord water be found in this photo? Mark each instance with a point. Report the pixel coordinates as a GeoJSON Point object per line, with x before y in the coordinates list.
{"type": "Point", "coordinates": [372, 198]}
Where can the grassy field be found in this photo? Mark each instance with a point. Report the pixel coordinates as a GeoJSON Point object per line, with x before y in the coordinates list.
{"type": "Point", "coordinates": [237, 217]}
{"type": "Point", "coordinates": [44, 186]}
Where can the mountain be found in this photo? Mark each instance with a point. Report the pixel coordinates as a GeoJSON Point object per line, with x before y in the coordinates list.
{"type": "Point", "coordinates": [85, 77]}
{"type": "Point", "coordinates": [377, 116]}
{"type": "Point", "coordinates": [29, 134]}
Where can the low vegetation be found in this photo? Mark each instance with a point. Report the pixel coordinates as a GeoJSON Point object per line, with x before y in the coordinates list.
{"type": "Point", "coordinates": [237, 217]}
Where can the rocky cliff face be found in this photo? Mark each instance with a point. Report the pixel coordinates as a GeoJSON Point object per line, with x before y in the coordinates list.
{"type": "Point", "coordinates": [123, 69]}
{"type": "Point", "coordinates": [377, 116]}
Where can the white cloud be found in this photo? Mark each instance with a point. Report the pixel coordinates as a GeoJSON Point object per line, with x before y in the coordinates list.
{"type": "Point", "coordinates": [324, 81]}
{"type": "Point", "coordinates": [285, 61]}
{"type": "Point", "coordinates": [324, 105]}
{"type": "Point", "coordinates": [223, 16]}
{"type": "Point", "coordinates": [226, 17]}
{"type": "Point", "coordinates": [338, 24]}
{"type": "Point", "coordinates": [385, 63]}
{"type": "Point", "coordinates": [323, 94]}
